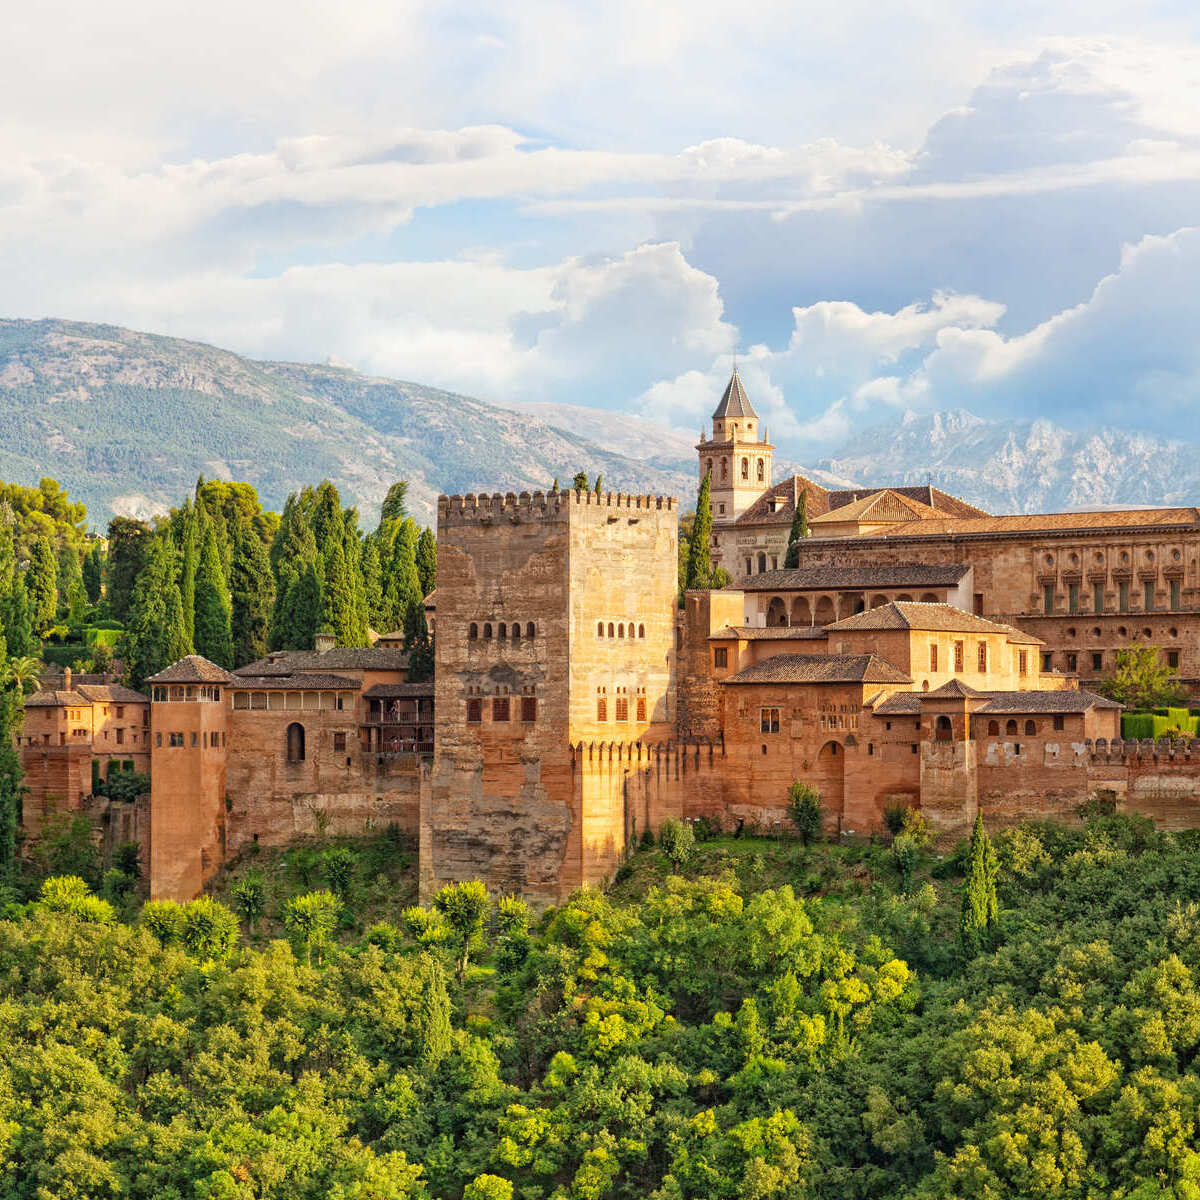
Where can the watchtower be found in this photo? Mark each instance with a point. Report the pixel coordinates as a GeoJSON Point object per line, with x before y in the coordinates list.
{"type": "Point", "coordinates": [738, 460]}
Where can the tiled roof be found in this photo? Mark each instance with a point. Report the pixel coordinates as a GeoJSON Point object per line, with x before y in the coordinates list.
{"type": "Point", "coordinates": [770, 633]}
{"type": "Point", "coordinates": [913, 575]}
{"type": "Point", "coordinates": [314, 682]}
{"type": "Point", "coordinates": [821, 668]}
{"type": "Point", "coordinates": [55, 699]}
{"type": "Point", "coordinates": [905, 614]}
{"type": "Point", "coordinates": [1069, 700]}
{"type": "Point", "coordinates": [785, 494]}
{"type": "Point", "coordinates": [395, 691]}
{"type": "Point", "coordinates": [735, 402]}
{"type": "Point", "coordinates": [192, 668]}
{"type": "Point", "coordinates": [112, 692]}
{"type": "Point", "coordinates": [340, 658]}
{"type": "Point", "coordinates": [899, 704]}
{"type": "Point", "coordinates": [953, 689]}
{"type": "Point", "coordinates": [1134, 518]}
{"type": "Point", "coordinates": [887, 505]}
{"type": "Point", "coordinates": [951, 506]}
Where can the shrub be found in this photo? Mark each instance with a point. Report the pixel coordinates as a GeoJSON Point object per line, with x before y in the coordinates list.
{"type": "Point", "coordinates": [464, 905]}
{"type": "Point", "coordinates": [677, 841]}
{"type": "Point", "coordinates": [128, 858]}
{"type": "Point", "coordinates": [207, 929]}
{"type": "Point", "coordinates": [488, 1187]}
{"type": "Point", "coordinates": [311, 920]}
{"type": "Point", "coordinates": [426, 927]}
{"type": "Point", "coordinates": [337, 865]}
{"type": "Point", "coordinates": [69, 894]}
{"type": "Point", "coordinates": [917, 828]}
{"type": "Point", "coordinates": [250, 898]}
{"type": "Point", "coordinates": [116, 885]}
{"type": "Point", "coordinates": [804, 810]}
{"type": "Point", "coordinates": [706, 828]}
{"type": "Point", "coordinates": [162, 918]}
{"type": "Point", "coordinates": [125, 786]}
{"type": "Point", "coordinates": [905, 852]}
{"type": "Point", "coordinates": [893, 818]}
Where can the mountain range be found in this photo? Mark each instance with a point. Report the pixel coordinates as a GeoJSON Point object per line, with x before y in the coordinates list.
{"type": "Point", "coordinates": [127, 421]}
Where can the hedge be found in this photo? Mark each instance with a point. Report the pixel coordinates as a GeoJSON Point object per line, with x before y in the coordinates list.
{"type": "Point", "coordinates": [1144, 725]}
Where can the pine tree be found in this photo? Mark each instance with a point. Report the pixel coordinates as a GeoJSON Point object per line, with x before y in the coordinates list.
{"type": "Point", "coordinates": [93, 574]}
{"type": "Point", "coordinates": [699, 572]}
{"type": "Point", "coordinates": [977, 927]}
{"type": "Point", "coordinates": [252, 592]}
{"type": "Point", "coordinates": [128, 548]}
{"type": "Point", "coordinates": [799, 531]}
{"type": "Point", "coordinates": [213, 635]}
{"type": "Point", "coordinates": [427, 559]}
{"type": "Point", "coordinates": [337, 597]}
{"type": "Point", "coordinates": [156, 635]}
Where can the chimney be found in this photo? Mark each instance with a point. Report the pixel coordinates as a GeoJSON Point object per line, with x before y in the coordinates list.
{"type": "Point", "coordinates": [324, 642]}
{"type": "Point", "coordinates": [66, 679]}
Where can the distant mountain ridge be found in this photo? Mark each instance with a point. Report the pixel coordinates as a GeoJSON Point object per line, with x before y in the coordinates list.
{"type": "Point", "coordinates": [127, 421]}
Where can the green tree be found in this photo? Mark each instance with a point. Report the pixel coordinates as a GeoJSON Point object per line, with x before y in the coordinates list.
{"type": "Point", "coordinates": [699, 570]}
{"type": "Point", "coordinates": [129, 543]}
{"type": "Point", "coordinates": [427, 560]}
{"type": "Point", "coordinates": [464, 905]}
{"type": "Point", "coordinates": [252, 591]}
{"type": "Point", "coordinates": [41, 581]}
{"type": "Point", "coordinates": [69, 584]}
{"type": "Point", "coordinates": [337, 598]}
{"type": "Point", "coordinates": [677, 840]}
{"type": "Point", "coordinates": [338, 865]}
{"type": "Point", "coordinates": [580, 482]}
{"type": "Point", "coordinates": [418, 644]}
{"type": "Point", "coordinates": [18, 676]}
{"type": "Point", "coordinates": [372, 577]}
{"type": "Point", "coordinates": [394, 506]}
{"type": "Point", "coordinates": [164, 919]}
{"type": "Point", "coordinates": [191, 537]}
{"type": "Point", "coordinates": [905, 853]}
{"type": "Point", "coordinates": [804, 810]}
{"type": "Point", "coordinates": [301, 611]}
{"type": "Point", "coordinates": [69, 894]}
{"type": "Point", "coordinates": [488, 1187]}
{"type": "Point", "coordinates": [214, 638]}
{"type": "Point", "coordinates": [401, 581]}
{"type": "Point", "coordinates": [156, 635]}
{"type": "Point", "coordinates": [93, 573]}
{"type": "Point", "coordinates": [207, 929]}
{"type": "Point", "coordinates": [799, 531]}
{"type": "Point", "coordinates": [1141, 680]}
{"type": "Point", "coordinates": [250, 898]}
{"type": "Point", "coordinates": [297, 569]}
{"type": "Point", "coordinates": [310, 920]}
{"type": "Point", "coordinates": [977, 926]}
{"type": "Point", "coordinates": [18, 622]}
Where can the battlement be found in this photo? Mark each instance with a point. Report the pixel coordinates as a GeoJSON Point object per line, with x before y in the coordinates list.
{"type": "Point", "coordinates": [483, 508]}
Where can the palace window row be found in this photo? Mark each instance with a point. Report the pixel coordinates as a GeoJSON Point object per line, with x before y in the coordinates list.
{"type": "Point", "coordinates": [1029, 728]}
{"type": "Point", "coordinates": [502, 631]}
{"type": "Point", "coordinates": [178, 692]}
{"type": "Point", "coordinates": [503, 710]}
{"type": "Point", "coordinates": [760, 469]}
{"type": "Point", "coordinates": [1124, 592]}
{"type": "Point", "coordinates": [206, 740]}
{"type": "Point", "coordinates": [620, 705]}
{"type": "Point", "coordinates": [619, 629]}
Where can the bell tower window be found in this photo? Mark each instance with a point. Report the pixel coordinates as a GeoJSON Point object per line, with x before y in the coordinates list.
{"type": "Point", "coordinates": [745, 468]}
{"type": "Point", "coordinates": [760, 470]}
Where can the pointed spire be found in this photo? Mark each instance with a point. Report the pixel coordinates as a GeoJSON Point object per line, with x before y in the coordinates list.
{"type": "Point", "coordinates": [735, 402]}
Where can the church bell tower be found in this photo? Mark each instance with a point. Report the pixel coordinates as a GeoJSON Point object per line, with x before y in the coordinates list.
{"type": "Point", "coordinates": [739, 460]}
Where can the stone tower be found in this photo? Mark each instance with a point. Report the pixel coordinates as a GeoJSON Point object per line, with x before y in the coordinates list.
{"type": "Point", "coordinates": [740, 461]}
{"type": "Point", "coordinates": [556, 618]}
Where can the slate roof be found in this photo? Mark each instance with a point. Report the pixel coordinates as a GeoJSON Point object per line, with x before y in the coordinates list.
{"type": "Point", "coordinates": [913, 575]}
{"type": "Point", "coordinates": [905, 614]}
{"type": "Point", "coordinates": [192, 668]}
{"type": "Point", "coordinates": [340, 658]}
{"type": "Point", "coordinates": [397, 691]}
{"type": "Point", "coordinates": [770, 633]}
{"type": "Point", "coordinates": [111, 692]}
{"type": "Point", "coordinates": [55, 699]}
{"type": "Point", "coordinates": [313, 682]}
{"type": "Point", "coordinates": [821, 668]}
{"type": "Point", "coordinates": [886, 505]}
{"type": "Point", "coordinates": [1136, 518]}
{"type": "Point", "coordinates": [735, 402]}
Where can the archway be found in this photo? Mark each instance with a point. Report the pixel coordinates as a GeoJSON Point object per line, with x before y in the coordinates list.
{"type": "Point", "coordinates": [943, 730]}
{"type": "Point", "coordinates": [830, 780]}
{"type": "Point", "coordinates": [825, 614]}
{"type": "Point", "coordinates": [928, 598]}
{"type": "Point", "coordinates": [776, 612]}
{"type": "Point", "coordinates": [295, 742]}
{"type": "Point", "coordinates": [904, 597]}
{"type": "Point", "coordinates": [801, 613]}
{"type": "Point", "coordinates": [878, 600]}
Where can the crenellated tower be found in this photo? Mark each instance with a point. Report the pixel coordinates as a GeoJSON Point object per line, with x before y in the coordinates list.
{"type": "Point", "coordinates": [739, 459]}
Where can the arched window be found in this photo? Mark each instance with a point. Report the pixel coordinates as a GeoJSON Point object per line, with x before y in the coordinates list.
{"type": "Point", "coordinates": [708, 467]}
{"type": "Point", "coordinates": [487, 629]}
{"type": "Point", "coordinates": [762, 563]}
{"type": "Point", "coordinates": [529, 629]}
{"type": "Point", "coordinates": [502, 632]}
{"type": "Point", "coordinates": [295, 742]}
{"type": "Point", "coordinates": [724, 468]}
{"type": "Point", "coordinates": [516, 631]}
{"type": "Point", "coordinates": [641, 631]}
{"type": "Point", "coordinates": [745, 468]}
{"type": "Point", "coordinates": [1010, 728]}
{"type": "Point", "coordinates": [1030, 728]}
{"type": "Point", "coordinates": [993, 729]}
{"type": "Point", "coordinates": [599, 628]}
{"type": "Point", "coordinates": [473, 631]}
{"type": "Point", "coordinates": [760, 470]}
{"type": "Point", "coordinates": [943, 731]}
{"type": "Point", "coordinates": [621, 630]}
{"type": "Point", "coordinates": [611, 633]}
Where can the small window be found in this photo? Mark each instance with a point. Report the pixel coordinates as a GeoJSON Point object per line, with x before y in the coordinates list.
{"type": "Point", "coordinates": [528, 709]}
{"type": "Point", "coordinates": [1030, 728]}
{"type": "Point", "coordinates": [1098, 661]}
{"type": "Point", "coordinates": [768, 720]}
{"type": "Point", "coordinates": [339, 741]}
{"type": "Point", "coordinates": [1047, 663]}
{"type": "Point", "coordinates": [487, 629]}
{"type": "Point", "coordinates": [720, 657]}
{"type": "Point", "coordinates": [502, 631]}
{"type": "Point", "coordinates": [641, 708]}
{"type": "Point", "coordinates": [601, 709]}
{"type": "Point", "coordinates": [516, 631]}
{"type": "Point", "coordinates": [474, 712]}
{"type": "Point", "coordinates": [1048, 598]}
{"type": "Point", "coordinates": [933, 660]}
{"type": "Point", "coordinates": [914, 747]}
{"type": "Point", "coordinates": [295, 742]}
{"type": "Point", "coordinates": [611, 629]}
{"type": "Point", "coordinates": [472, 631]}
{"type": "Point", "coordinates": [176, 739]}
{"type": "Point", "coordinates": [1072, 662]}
{"type": "Point", "coordinates": [529, 629]}
{"type": "Point", "coordinates": [993, 728]}
{"type": "Point", "coordinates": [499, 708]}
{"type": "Point", "coordinates": [641, 631]}
{"type": "Point", "coordinates": [760, 470]}
{"type": "Point", "coordinates": [745, 468]}
{"type": "Point", "coordinates": [599, 628]}
{"type": "Point", "coordinates": [621, 630]}
{"type": "Point", "coordinates": [1173, 659]}
{"type": "Point", "coordinates": [958, 656]}
{"type": "Point", "coordinates": [622, 708]}
{"type": "Point", "coordinates": [983, 658]}
{"type": "Point", "coordinates": [1010, 729]}
{"type": "Point", "coordinates": [1060, 723]}
{"type": "Point", "coordinates": [1022, 662]}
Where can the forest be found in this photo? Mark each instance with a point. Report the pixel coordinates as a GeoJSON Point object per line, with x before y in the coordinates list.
{"type": "Point", "coordinates": [745, 1018]}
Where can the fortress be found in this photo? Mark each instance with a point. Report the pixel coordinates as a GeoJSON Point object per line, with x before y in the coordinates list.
{"type": "Point", "coordinates": [922, 653]}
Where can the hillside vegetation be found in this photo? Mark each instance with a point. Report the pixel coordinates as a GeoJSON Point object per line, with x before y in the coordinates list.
{"type": "Point", "coordinates": [765, 1021]}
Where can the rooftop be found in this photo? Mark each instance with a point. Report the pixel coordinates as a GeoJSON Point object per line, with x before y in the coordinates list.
{"type": "Point", "coordinates": [768, 633]}
{"type": "Point", "coordinates": [339, 658]}
{"type": "Point", "coordinates": [855, 578]}
{"type": "Point", "coordinates": [906, 614]}
{"type": "Point", "coordinates": [885, 506]}
{"type": "Point", "coordinates": [1061, 703]}
{"type": "Point", "coordinates": [821, 668]}
{"type": "Point", "coordinates": [948, 505]}
{"type": "Point", "coordinates": [735, 402]}
{"type": "Point", "coordinates": [398, 691]}
{"type": "Point", "coordinates": [313, 682]}
{"type": "Point", "coordinates": [1129, 518]}
{"type": "Point", "coordinates": [55, 699]}
{"type": "Point", "coordinates": [192, 668]}
{"type": "Point", "coordinates": [784, 494]}
{"type": "Point", "coordinates": [111, 692]}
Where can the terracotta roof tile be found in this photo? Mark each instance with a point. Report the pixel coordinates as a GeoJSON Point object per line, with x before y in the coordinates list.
{"type": "Point", "coordinates": [56, 700]}
{"type": "Point", "coordinates": [394, 691]}
{"type": "Point", "coordinates": [192, 668]}
{"type": "Point", "coordinates": [312, 682]}
{"type": "Point", "coordinates": [886, 505]}
{"type": "Point", "coordinates": [112, 692]}
{"type": "Point", "coordinates": [953, 689]}
{"type": "Point", "coordinates": [946, 504]}
{"type": "Point", "coordinates": [904, 614]}
{"type": "Point", "coordinates": [771, 633]}
{"type": "Point", "coordinates": [1069, 700]}
{"type": "Point", "coordinates": [784, 493]}
{"type": "Point", "coordinates": [340, 658]}
{"type": "Point", "coordinates": [1135, 518]}
{"type": "Point", "coordinates": [821, 668]}
{"type": "Point", "coordinates": [853, 578]}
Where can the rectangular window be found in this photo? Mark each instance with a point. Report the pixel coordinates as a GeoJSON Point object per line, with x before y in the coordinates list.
{"type": "Point", "coordinates": [768, 720]}
{"type": "Point", "coordinates": [958, 656]}
{"type": "Point", "coordinates": [978, 604]}
{"type": "Point", "coordinates": [1097, 660]}
{"type": "Point", "coordinates": [749, 566]}
{"type": "Point", "coordinates": [933, 656]}
{"type": "Point", "coordinates": [1048, 597]}
{"type": "Point", "coordinates": [158, 739]}
{"type": "Point", "coordinates": [1060, 723]}
{"type": "Point", "coordinates": [601, 709]}
{"type": "Point", "coordinates": [120, 737]}
{"type": "Point", "coordinates": [176, 739]}
{"type": "Point", "coordinates": [500, 708]}
{"type": "Point", "coordinates": [474, 712]}
{"type": "Point", "coordinates": [120, 711]}
{"type": "Point", "coordinates": [1022, 662]}
{"type": "Point", "coordinates": [774, 562]}
{"type": "Point", "coordinates": [1123, 595]}
{"type": "Point", "coordinates": [1047, 664]}
{"type": "Point", "coordinates": [622, 708]}
{"type": "Point", "coordinates": [1148, 595]}
{"type": "Point", "coordinates": [1097, 597]}
{"type": "Point", "coordinates": [528, 709]}
{"type": "Point", "coordinates": [195, 738]}
{"type": "Point", "coordinates": [983, 658]}
{"type": "Point", "coordinates": [641, 708]}
{"type": "Point", "coordinates": [1174, 586]}
{"type": "Point", "coordinates": [1173, 659]}
{"type": "Point", "coordinates": [720, 657]}
{"type": "Point", "coordinates": [1072, 597]}
{"type": "Point", "coordinates": [914, 747]}
{"type": "Point", "coordinates": [1072, 662]}
{"type": "Point", "coordinates": [339, 741]}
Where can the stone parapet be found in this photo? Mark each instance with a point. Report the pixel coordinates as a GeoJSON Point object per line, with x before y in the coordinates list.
{"type": "Point", "coordinates": [482, 507]}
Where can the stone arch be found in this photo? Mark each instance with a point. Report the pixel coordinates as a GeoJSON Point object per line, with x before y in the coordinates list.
{"type": "Point", "coordinates": [801, 612]}
{"type": "Point", "coordinates": [943, 729]}
{"type": "Point", "coordinates": [1031, 728]}
{"type": "Point", "coordinates": [724, 468]}
{"type": "Point", "coordinates": [830, 780]}
{"type": "Point", "coordinates": [502, 631]}
{"type": "Point", "coordinates": [905, 597]}
{"type": "Point", "coordinates": [825, 613]}
{"type": "Point", "coordinates": [928, 598]}
{"type": "Point", "coordinates": [621, 630]}
{"type": "Point", "coordinates": [611, 630]}
{"type": "Point", "coordinates": [295, 742]}
{"type": "Point", "coordinates": [599, 628]}
{"type": "Point", "coordinates": [760, 470]}
{"type": "Point", "coordinates": [487, 629]}
{"type": "Point", "coordinates": [641, 630]}
{"type": "Point", "coordinates": [745, 468]}
{"type": "Point", "coordinates": [530, 629]}
{"type": "Point", "coordinates": [993, 729]}
{"type": "Point", "coordinates": [1010, 728]}
{"type": "Point", "coordinates": [878, 600]}
{"type": "Point", "coordinates": [472, 631]}
{"type": "Point", "coordinates": [777, 611]}
{"type": "Point", "coordinates": [516, 631]}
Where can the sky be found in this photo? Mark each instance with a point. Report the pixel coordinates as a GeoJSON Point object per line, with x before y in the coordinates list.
{"type": "Point", "coordinates": [880, 207]}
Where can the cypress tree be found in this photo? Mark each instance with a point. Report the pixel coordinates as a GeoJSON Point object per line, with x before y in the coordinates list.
{"type": "Point", "coordinates": [69, 583]}
{"type": "Point", "coordinates": [293, 552]}
{"type": "Point", "coordinates": [372, 577]}
{"type": "Point", "coordinates": [427, 559]}
{"type": "Point", "coordinates": [394, 507]}
{"type": "Point", "coordinates": [580, 482]}
{"type": "Point", "coordinates": [12, 711]}
{"type": "Point", "coordinates": [213, 635]}
{"type": "Point", "coordinates": [42, 586]}
{"type": "Point", "coordinates": [402, 583]}
{"type": "Point", "coordinates": [554, 487]}
{"type": "Point", "coordinates": [977, 925]}
{"type": "Point", "coordinates": [699, 571]}
{"type": "Point", "coordinates": [93, 575]}
{"type": "Point", "coordinates": [337, 598]}
{"type": "Point", "coordinates": [301, 611]}
{"type": "Point", "coordinates": [190, 539]}
{"type": "Point", "coordinates": [252, 592]}
{"type": "Point", "coordinates": [18, 625]}
{"type": "Point", "coordinates": [326, 519]}
{"type": "Point", "coordinates": [799, 531]}
{"type": "Point", "coordinates": [128, 548]}
{"type": "Point", "coordinates": [418, 644]}
{"type": "Point", "coordinates": [352, 547]}
{"type": "Point", "coordinates": [156, 635]}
